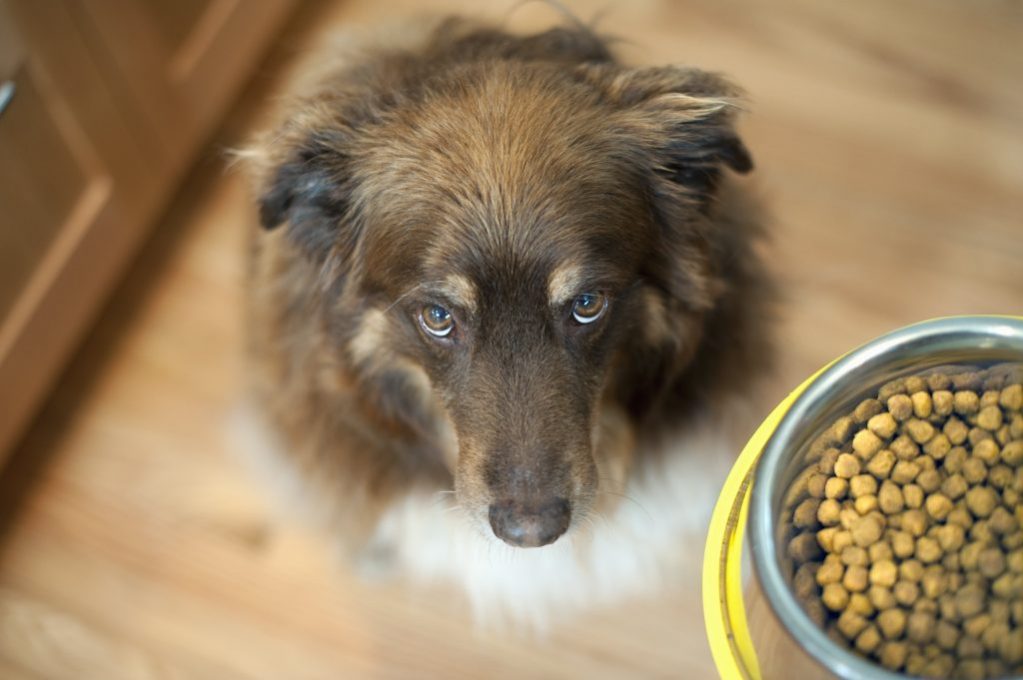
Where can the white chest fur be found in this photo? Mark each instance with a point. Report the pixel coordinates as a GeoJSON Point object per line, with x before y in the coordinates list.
{"type": "Point", "coordinates": [653, 536]}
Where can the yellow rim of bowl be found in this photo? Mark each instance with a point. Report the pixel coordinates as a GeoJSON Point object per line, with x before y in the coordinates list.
{"type": "Point", "coordinates": [724, 611]}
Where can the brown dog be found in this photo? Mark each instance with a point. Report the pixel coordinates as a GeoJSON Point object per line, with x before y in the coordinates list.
{"type": "Point", "coordinates": [513, 268]}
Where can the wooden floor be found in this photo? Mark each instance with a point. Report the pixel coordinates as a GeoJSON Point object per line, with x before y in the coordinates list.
{"type": "Point", "coordinates": [888, 137]}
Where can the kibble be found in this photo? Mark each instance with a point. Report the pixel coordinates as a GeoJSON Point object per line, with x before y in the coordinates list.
{"type": "Point", "coordinates": [851, 624]}
{"type": "Point", "coordinates": [930, 479]}
{"type": "Point", "coordinates": [866, 444]}
{"type": "Point", "coordinates": [841, 540]}
{"type": "Point", "coordinates": [955, 486]}
{"type": "Point", "coordinates": [974, 470]}
{"type": "Point", "coordinates": [921, 404]}
{"type": "Point", "coordinates": [804, 548]}
{"type": "Point", "coordinates": [951, 537]}
{"type": "Point", "coordinates": [938, 506]}
{"type": "Point", "coordinates": [892, 623]}
{"type": "Point", "coordinates": [826, 538]}
{"type": "Point", "coordinates": [805, 515]}
{"type": "Point", "coordinates": [881, 464]}
{"type": "Point", "coordinates": [938, 447]}
{"type": "Point", "coordinates": [927, 550]}
{"type": "Point", "coordinates": [868, 640]}
{"type": "Point", "coordinates": [965, 403]}
{"type": "Point", "coordinates": [1012, 453]}
{"type": "Point", "coordinates": [1011, 398]}
{"type": "Point", "coordinates": [835, 597]}
{"type": "Point", "coordinates": [953, 462]}
{"type": "Point", "coordinates": [981, 501]}
{"type": "Point", "coordinates": [903, 544]}
{"type": "Point", "coordinates": [900, 407]}
{"type": "Point", "coordinates": [862, 485]}
{"type": "Point", "coordinates": [915, 522]}
{"type": "Point", "coordinates": [987, 451]}
{"type": "Point", "coordinates": [990, 396]}
{"type": "Point", "coordinates": [906, 533]}
{"type": "Point", "coordinates": [905, 472]}
{"type": "Point", "coordinates": [955, 430]}
{"type": "Point", "coordinates": [970, 600]}
{"type": "Point", "coordinates": [864, 504]}
{"type": "Point", "coordinates": [855, 579]}
{"type": "Point", "coordinates": [855, 555]}
{"type": "Point", "coordinates": [904, 448]}
{"type": "Point", "coordinates": [933, 584]}
{"type": "Point", "coordinates": [977, 435]}
{"type": "Point", "coordinates": [847, 515]}
{"type": "Point", "coordinates": [920, 431]}
{"type": "Point", "coordinates": [990, 418]}
{"type": "Point", "coordinates": [879, 552]}
{"type": "Point", "coordinates": [920, 627]}
{"type": "Point", "coordinates": [942, 401]}
{"type": "Point", "coordinates": [867, 409]}
{"type": "Point", "coordinates": [884, 573]}
{"type": "Point", "coordinates": [890, 498]}
{"type": "Point", "coordinates": [847, 466]}
{"type": "Point", "coordinates": [913, 495]}
{"type": "Point", "coordinates": [893, 655]}
{"type": "Point", "coordinates": [991, 563]}
{"type": "Point", "coordinates": [911, 570]}
{"type": "Point", "coordinates": [906, 593]}
{"type": "Point", "coordinates": [827, 512]}
{"type": "Point", "coordinates": [836, 487]}
{"type": "Point", "coordinates": [866, 530]}
{"type": "Point", "coordinates": [883, 425]}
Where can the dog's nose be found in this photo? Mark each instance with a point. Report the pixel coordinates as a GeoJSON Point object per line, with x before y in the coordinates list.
{"type": "Point", "coordinates": [530, 525]}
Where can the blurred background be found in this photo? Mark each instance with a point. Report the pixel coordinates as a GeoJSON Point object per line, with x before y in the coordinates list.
{"type": "Point", "coordinates": [888, 137]}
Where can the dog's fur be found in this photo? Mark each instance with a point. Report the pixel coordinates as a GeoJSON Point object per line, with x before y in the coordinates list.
{"type": "Point", "coordinates": [502, 177]}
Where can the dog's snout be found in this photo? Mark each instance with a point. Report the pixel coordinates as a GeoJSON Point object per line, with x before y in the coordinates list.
{"type": "Point", "coordinates": [530, 525]}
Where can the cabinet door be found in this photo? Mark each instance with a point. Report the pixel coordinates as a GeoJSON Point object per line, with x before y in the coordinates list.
{"type": "Point", "coordinates": [182, 60]}
{"type": "Point", "coordinates": [107, 103]}
{"type": "Point", "coordinates": [58, 220]}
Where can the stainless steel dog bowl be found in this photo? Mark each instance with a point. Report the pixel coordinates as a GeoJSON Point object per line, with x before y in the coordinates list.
{"type": "Point", "coordinates": [965, 340]}
{"type": "Point", "coordinates": [781, 640]}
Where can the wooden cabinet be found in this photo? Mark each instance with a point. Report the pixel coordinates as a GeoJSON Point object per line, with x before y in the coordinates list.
{"type": "Point", "coordinates": [107, 103]}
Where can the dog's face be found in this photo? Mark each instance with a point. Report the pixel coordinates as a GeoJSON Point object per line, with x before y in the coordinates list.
{"type": "Point", "coordinates": [520, 235]}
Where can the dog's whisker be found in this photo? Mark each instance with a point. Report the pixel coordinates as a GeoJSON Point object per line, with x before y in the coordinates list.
{"type": "Point", "coordinates": [444, 493]}
{"type": "Point", "coordinates": [399, 299]}
{"type": "Point", "coordinates": [611, 480]}
{"type": "Point", "coordinates": [628, 498]}
{"type": "Point", "coordinates": [442, 503]}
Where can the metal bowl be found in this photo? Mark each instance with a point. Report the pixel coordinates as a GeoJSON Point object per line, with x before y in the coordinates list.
{"type": "Point", "coordinates": [969, 340]}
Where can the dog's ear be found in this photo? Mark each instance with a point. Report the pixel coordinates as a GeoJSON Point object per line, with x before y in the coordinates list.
{"type": "Point", "coordinates": [683, 118]}
{"type": "Point", "coordinates": [677, 125]}
{"type": "Point", "coordinates": [309, 190]}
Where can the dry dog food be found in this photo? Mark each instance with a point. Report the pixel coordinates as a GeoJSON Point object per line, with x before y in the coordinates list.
{"type": "Point", "coordinates": [905, 529]}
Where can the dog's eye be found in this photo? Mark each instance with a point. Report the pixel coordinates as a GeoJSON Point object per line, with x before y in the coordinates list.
{"type": "Point", "coordinates": [436, 320]}
{"type": "Point", "coordinates": [589, 307]}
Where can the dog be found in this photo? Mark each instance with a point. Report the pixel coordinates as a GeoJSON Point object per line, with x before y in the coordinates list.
{"type": "Point", "coordinates": [503, 307]}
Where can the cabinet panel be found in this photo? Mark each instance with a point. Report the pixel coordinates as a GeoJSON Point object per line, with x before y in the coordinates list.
{"type": "Point", "coordinates": [175, 21]}
{"type": "Point", "coordinates": [61, 196]}
{"type": "Point", "coordinates": [182, 62]}
{"type": "Point", "coordinates": [57, 195]}
{"type": "Point", "coordinates": [59, 49]}
{"type": "Point", "coordinates": [40, 184]}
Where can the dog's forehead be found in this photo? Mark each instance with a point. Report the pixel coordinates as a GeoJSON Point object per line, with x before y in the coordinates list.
{"type": "Point", "coordinates": [503, 185]}
{"type": "Point", "coordinates": [505, 154]}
